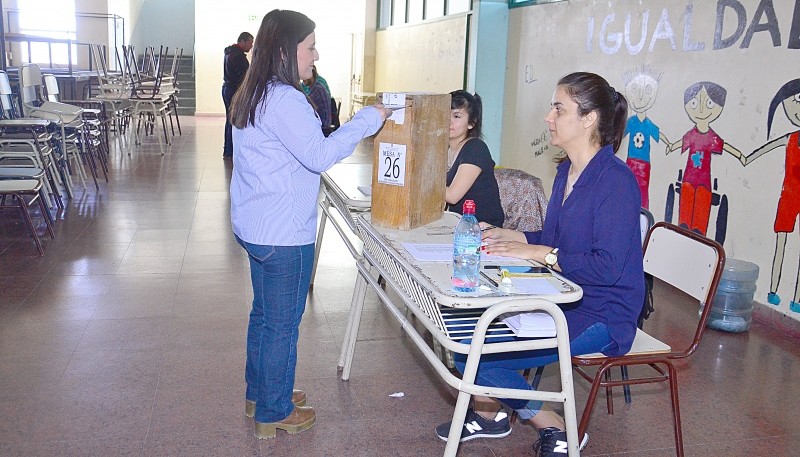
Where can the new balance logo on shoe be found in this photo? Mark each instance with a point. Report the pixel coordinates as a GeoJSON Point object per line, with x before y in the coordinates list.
{"type": "Point", "coordinates": [476, 426]}
{"type": "Point", "coordinates": [552, 442]}
{"type": "Point", "coordinates": [473, 427]}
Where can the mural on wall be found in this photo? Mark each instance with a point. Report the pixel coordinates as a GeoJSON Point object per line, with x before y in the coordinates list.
{"type": "Point", "coordinates": [703, 102]}
{"type": "Point", "coordinates": [641, 89]}
{"type": "Point", "coordinates": [706, 53]}
{"type": "Point", "coordinates": [788, 96]}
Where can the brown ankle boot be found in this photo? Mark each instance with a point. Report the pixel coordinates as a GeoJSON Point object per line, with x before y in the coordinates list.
{"type": "Point", "coordinates": [298, 398]}
{"type": "Point", "coordinates": [301, 418]}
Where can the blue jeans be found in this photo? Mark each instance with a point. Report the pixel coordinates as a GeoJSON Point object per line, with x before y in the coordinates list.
{"type": "Point", "coordinates": [227, 98]}
{"type": "Point", "coordinates": [502, 370]}
{"type": "Point", "coordinates": [281, 276]}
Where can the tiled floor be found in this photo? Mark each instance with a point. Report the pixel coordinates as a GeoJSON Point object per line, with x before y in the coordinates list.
{"type": "Point", "coordinates": [127, 338]}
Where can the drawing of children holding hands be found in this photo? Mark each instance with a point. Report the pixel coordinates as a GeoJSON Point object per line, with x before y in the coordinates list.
{"type": "Point", "coordinates": [703, 102]}
{"type": "Point", "coordinates": [641, 89]}
{"type": "Point", "coordinates": [789, 201]}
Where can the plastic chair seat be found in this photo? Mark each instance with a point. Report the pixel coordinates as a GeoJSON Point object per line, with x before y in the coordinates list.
{"type": "Point", "coordinates": [10, 186]}
{"type": "Point", "coordinates": [643, 344]}
{"type": "Point", "coordinates": [21, 173]}
{"type": "Point", "coordinates": [692, 264]}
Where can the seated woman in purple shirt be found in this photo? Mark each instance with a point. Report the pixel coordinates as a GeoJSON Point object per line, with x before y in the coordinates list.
{"type": "Point", "coordinates": [279, 153]}
{"type": "Point", "coordinates": [591, 236]}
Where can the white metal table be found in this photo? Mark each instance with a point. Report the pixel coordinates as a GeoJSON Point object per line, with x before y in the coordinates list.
{"type": "Point", "coordinates": [424, 289]}
{"type": "Point", "coordinates": [340, 192]}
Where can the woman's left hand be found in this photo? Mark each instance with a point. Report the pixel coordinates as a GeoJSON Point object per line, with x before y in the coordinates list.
{"type": "Point", "coordinates": [517, 249]}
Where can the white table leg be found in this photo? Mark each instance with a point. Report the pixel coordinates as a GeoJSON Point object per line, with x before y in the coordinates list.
{"type": "Point", "coordinates": [320, 233]}
{"type": "Point", "coordinates": [353, 322]}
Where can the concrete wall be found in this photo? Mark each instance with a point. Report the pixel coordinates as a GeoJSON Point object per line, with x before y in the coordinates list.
{"type": "Point", "coordinates": [337, 24]}
{"type": "Point", "coordinates": [425, 57]}
{"type": "Point", "coordinates": [164, 22]}
{"type": "Point", "coordinates": [748, 47]}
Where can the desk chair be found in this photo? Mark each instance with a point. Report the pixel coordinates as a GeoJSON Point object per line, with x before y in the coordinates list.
{"type": "Point", "coordinates": [646, 220]}
{"type": "Point", "coordinates": [27, 143]}
{"type": "Point", "coordinates": [524, 207]}
{"type": "Point", "coordinates": [25, 192]}
{"type": "Point", "coordinates": [691, 263]}
{"type": "Point", "coordinates": [91, 135]}
{"type": "Point", "coordinates": [150, 97]}
{"type": "Point", "coordinates": [113, 91]}
{"type": "Point", "coordinates": [67, 119]}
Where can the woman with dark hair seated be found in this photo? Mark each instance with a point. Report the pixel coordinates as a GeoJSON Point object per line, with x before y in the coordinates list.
{"type": "Point", "coordinates": [591, 236]}
{"type": "Point", "coordinates": [470, 174]}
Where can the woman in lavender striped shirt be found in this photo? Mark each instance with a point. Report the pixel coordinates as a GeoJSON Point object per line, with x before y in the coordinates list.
{"type": "Point", "coordinates": [279, 154]}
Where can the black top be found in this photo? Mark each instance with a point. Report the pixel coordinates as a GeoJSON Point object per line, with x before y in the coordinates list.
{"type": "Point", "coordinates": [235, 66]}
{"type": "Point", "coordinates": [484, 191]}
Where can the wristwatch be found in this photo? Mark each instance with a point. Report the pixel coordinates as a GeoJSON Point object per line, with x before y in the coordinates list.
{"type": "Point", "coordinates": [551, 258]}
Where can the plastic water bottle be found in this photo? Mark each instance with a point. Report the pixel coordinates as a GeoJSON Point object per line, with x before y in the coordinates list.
{"type": "Point", "coordinates": [466, 251]}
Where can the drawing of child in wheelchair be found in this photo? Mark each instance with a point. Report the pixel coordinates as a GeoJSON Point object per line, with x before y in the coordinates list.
{"type": "Point", "coordinates": [703, 102]}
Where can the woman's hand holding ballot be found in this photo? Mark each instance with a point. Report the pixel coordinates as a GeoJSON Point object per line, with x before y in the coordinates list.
{"type": "Point", "coordinates": [385, 112]}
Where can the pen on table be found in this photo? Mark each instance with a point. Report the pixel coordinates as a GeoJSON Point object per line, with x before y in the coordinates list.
{"type": "Point", "coordinates": [488, 278]}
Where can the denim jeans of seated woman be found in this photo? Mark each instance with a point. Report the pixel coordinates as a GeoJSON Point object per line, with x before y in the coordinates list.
{"type": "Point", "coordinates": [502, 370]}
{"type": "Point", "coordinates": [281, 276]}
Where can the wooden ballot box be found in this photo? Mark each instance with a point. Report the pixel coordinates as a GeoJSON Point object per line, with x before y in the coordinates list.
{"type": "Point", "coordinates": [409, 161]}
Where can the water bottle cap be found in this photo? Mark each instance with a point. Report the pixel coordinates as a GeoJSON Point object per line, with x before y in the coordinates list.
{"type": "Point", "coordinates": [469, 207]}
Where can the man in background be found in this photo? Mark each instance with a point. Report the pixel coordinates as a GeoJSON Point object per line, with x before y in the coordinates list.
{"type": "Point", "coordinates": [235, 66]}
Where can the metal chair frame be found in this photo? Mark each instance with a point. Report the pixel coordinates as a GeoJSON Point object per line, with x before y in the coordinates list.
{"type": "Point", "coordinates": [67, 118]}
{"type": "Point", "coordinates": [693, 264]}
{"type": "Point", "coordinates": [20, 189]}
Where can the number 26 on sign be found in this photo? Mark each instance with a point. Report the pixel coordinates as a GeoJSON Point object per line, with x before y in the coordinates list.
{"type": "Point", "coordinates": [392, 164]}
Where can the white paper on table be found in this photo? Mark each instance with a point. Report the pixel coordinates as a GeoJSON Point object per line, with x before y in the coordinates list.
{"type": "Point", "coordinates": [366, 190]}
{"type": "Point", "coordinates": [443, 252]}
{"type": "Point", "coordinates": [535, 286]}
{"type": "Point", "coordinates": [531, 324]}
{"type": "Point", "coordinates": [430, 252]}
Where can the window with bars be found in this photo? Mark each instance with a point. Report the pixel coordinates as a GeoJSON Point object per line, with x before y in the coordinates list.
{"type": "Point", "coordinates": [48, 19]}
{"type": "Point", "coordinates": [399, 12]}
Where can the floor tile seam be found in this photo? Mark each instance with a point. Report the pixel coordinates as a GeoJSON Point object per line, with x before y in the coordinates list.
{"type": "Point", "coordinates": [63, 374]}
{"type": "Point", "coordinates": [151, 415]}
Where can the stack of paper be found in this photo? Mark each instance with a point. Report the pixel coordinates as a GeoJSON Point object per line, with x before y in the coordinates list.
{"type": "Point", "coordinates": [534, 324]}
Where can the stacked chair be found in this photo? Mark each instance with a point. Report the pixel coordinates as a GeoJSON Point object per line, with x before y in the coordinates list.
{"type": "Point", "coordinates": [29, 170]}
{"type": "Point", "coordinates": [94, 144]}
{"type": "Point", "coordinates": [113, 91]}
{"type": "Point", "coordinates": [68, 120]}
{"type": "Point", "coordinates": [27, 143]}
{"type": "Point", "coordinates": [152, 93]}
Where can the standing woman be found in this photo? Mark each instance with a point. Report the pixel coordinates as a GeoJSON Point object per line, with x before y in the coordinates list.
{"type": "Point", "coordinates": [279, 154]}
{"type": "Point", "coordinates": [591, 235]}
{"type": "Point", "coordinates": [470, 174]}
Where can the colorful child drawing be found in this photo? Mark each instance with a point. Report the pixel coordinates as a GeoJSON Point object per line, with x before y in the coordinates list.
{"type": "Point", "coordinates": [641, 88]}
{"type": "Point", "coordinates": [703, 102]}
{"type": "Point", "coordinates": [789, 200]}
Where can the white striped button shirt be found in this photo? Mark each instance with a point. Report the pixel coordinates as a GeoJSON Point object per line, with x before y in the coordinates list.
{"type": "Point", "coordinates": [277, 165]}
